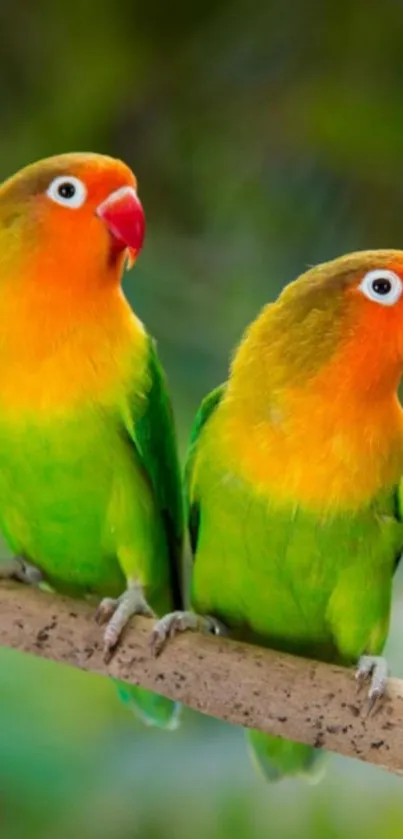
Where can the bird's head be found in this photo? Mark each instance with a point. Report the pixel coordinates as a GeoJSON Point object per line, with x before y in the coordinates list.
{"type": "Point", "coordinates": [346, 312]}
{"type": "Point", "coordinates": [339, 326]}
{"type": "Point", "coordinates": [79, 211]}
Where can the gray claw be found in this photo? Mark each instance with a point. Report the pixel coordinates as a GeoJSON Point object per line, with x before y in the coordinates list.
{"type": "Point", "coordinates": [168, 626]}
{"type": "Point", "coordinates": [19, 569]}
{"type": "Point", "coordinates": [376, 669]}
{"type": "Point", "coordinates": [116, 613]}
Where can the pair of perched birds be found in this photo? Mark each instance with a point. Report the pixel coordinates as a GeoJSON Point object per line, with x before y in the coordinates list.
{"type": "Point", "coordinates": [293, 474]}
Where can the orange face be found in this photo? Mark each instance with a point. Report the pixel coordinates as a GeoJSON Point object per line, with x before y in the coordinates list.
{"type": "Point", "coordinates": [343, 317]}
{"type": "Point", "coordinates": [372, 343]}
{"type": "Point", "coordinates": [77, 214]}
{"type": "Point", "coordinates": [67, 225]}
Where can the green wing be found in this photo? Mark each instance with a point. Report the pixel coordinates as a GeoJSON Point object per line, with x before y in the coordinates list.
{"type": "Point", "coordinates": [205, 411]}
{"type": "Point", "coordinates": [155, 439]}
{"type": "Point", "coordinates": [398, 514]}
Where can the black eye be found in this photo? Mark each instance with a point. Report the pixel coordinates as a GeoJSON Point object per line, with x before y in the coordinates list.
{"type": "Point", "coordinates": [382, 286]}
{"type": "Point", "coordinates": [66, 190]}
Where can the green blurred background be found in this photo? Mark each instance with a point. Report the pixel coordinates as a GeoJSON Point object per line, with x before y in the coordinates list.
{"type": "Point", "coordinates": [265, 137]}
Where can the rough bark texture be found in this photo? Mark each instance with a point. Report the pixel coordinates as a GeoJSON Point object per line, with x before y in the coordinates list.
{"type": "Point", "coordinates": [304, 700]}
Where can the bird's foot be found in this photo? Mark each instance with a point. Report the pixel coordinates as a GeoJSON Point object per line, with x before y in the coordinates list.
{"type": "Point", "coordinates": [117, 613]}
{"type": "Point", "coordinates": [176, 622]}
{"type": "Point", "coordinates": [19, 569]}
{"type": "Point", "coordinates": [376, 669]}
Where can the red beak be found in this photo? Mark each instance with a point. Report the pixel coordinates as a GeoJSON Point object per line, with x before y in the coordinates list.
{"type": "Point", "coordinates": [124, 216]}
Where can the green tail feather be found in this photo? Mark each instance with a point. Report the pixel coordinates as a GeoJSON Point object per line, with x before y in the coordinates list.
{"type": "Point", "coordinates": [278, 758]}
{"type": "Point", "coordinates": [151, 708]}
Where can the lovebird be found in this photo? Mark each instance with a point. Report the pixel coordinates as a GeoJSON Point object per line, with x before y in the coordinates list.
{"type": "Point", "coordinates": [90, 487]}
{"type": "Point", "coordinates": [293, 472]}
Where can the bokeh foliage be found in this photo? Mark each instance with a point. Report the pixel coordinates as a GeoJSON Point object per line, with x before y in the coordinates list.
{"type": "Point", "coordinates": [266, 137]}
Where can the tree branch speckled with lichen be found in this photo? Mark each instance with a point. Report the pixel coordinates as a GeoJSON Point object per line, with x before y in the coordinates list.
{"type": "Point", "coordinates": [245, 685]}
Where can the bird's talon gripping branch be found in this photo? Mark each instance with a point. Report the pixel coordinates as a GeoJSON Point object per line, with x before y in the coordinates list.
{"type": "Point", "coordinates": [176, 622]}
{"type": "Point", "coordinates": [105, 610]}
{"type": "Point", "coordinates": [376, 669]}
{"type": "Point", "coordinates": [117, 613]}
{"type": "Point", "coordinates": [19, 569]}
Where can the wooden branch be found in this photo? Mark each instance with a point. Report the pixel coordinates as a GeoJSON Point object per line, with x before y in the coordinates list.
{"type": "Point", "coordinates": [245, 685]}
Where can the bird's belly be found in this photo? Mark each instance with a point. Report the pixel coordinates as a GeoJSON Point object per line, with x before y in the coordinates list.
{"type": "Point", "coordinates": [270, 574]}
{"type": "Point", "coordinates": [246, 586]}
{"type": "Point", "coordinates": [56, 485]}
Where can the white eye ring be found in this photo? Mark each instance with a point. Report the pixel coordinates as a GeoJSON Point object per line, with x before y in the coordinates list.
{"type": "Point", "coordinates": [389, 285]}
{"type": "Point", "coordinates": [75, 192]}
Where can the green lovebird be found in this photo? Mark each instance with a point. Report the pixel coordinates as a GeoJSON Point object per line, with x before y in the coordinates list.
{"type": "Point", "coordinates": [293, 481]}
{"type": "Point", "coordinates": [90, 490]}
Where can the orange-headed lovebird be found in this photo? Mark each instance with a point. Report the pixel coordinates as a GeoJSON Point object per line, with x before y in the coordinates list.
{"type": "Point", "coordinates": [89, 479]}
{"type": "Point", "coordinates": [293, 480]}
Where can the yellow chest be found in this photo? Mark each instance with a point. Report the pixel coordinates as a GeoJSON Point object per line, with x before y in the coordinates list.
{"type": "Point", "coordinates": [48, 369]}
{"type": "Point", "coordinates": [310, 458]}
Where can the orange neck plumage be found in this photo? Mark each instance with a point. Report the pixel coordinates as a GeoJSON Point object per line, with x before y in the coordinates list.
{"type": "Point", "coordinates": [64, 339]}
{"type": "Point", "coordinates": [334, 440]}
